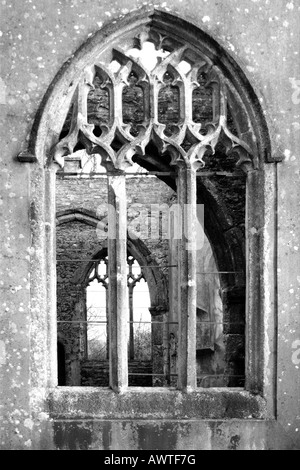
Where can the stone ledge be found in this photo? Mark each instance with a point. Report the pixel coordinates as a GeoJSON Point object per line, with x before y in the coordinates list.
{"type": "Point", "coordinates": [154, 403]}
{"type": "Point", "coordinates": [26, 157]}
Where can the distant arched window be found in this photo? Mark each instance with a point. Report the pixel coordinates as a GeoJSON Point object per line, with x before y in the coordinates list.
{"type": "Point", "coordinates": [139, 343]}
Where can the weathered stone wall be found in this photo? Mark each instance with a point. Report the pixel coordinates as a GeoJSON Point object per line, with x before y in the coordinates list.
{"type": "Point", "coordinates": [36, 38]}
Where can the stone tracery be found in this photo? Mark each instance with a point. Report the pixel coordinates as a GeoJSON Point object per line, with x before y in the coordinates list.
{"type": "Point", "coordinates": [188, 141]}
{"type": "Point", "coordinates": [185, 141]}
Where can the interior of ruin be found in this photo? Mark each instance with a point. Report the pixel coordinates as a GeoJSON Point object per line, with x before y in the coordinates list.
{"type": "Point", "coordinates": [115, 97]}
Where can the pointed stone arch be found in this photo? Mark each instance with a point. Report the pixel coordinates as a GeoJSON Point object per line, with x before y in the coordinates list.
{"type": "Point", "coordinates": [261, 185]}
{"type": "Point", "coordinates": [55, 104]}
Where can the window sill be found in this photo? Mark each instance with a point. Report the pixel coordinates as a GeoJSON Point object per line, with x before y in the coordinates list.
{"type": "Point", "coordinates": [154, 403]}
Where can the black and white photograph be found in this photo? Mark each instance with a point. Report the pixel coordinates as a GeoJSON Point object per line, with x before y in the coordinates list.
{"type": "Point", "coordinates": [149, 228]}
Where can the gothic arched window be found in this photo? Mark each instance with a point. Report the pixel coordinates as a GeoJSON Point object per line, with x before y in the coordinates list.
{"type": "Point", "coordinates": [153, 100]}
{"type": "Point", "coordinates": [170, 100]}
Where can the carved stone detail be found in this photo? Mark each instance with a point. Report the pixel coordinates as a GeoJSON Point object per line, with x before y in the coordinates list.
{"type": "Point", "coordinates": [170, 55]}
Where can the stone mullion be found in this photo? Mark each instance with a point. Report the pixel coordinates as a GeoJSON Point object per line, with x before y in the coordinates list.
{"type": "Point", "coordinates": [219, 101]}
{"type": "Point", "coordinates": [222, 102]}
{"type": "Point", "coordinates": [186, 100]}
{"type": "Point", "coordinates": [155, 86]}
{"type": "Point", "coordinates": [147, 103]}
{"type": "Point", "coordinates": [117, 287]}
{"type": "Point", "coordinates": [107, 321]}
{"type": "Point", "coordinates": [83, 91]}
{"type": "Point", "coordinates": [117, 103]}
{"type": "Point", "coordinates": [171, 329]}
{"type": "Point", "coordinates": [131, 324]}
{"type": "Point", "coordinates": [186, 189]}
{"type": "Point", "coordinates": [112, 102]}
{"type": "Point", "coordinates": [216, 104]}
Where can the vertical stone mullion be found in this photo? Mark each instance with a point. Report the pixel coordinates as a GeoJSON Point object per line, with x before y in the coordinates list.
{"type": "Point", "coordinates": [186, 189]}
{"type": "Point", "coordinates": [117, 288]}
{"type": "Point", "coordinates": [51, 293]}
{"type": "Point", "coordinates": [131, 325]}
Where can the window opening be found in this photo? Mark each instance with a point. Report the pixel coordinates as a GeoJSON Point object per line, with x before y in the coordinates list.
{"type": "Point", "coordinates": [164, 95]}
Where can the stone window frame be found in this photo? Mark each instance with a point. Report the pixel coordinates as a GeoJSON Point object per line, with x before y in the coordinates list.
{"type": "Point", "coordinates": [258, 398]}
